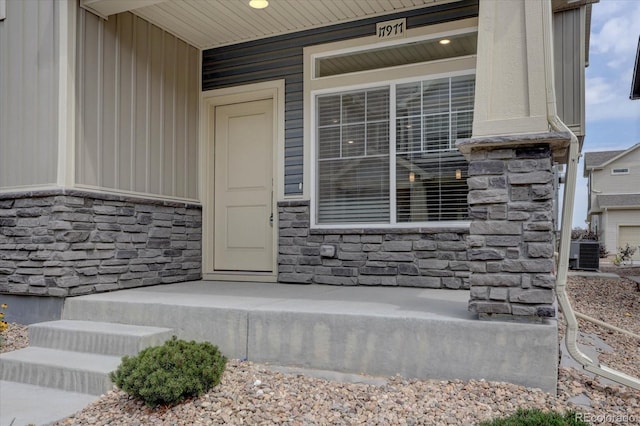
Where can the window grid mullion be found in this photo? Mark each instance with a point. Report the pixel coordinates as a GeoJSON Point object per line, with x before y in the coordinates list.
{"type": "Point", "coordinates": [422, 117]}
{"type": "Point", "coordinates": [450, 105]}
{"type": "Point", "coordinates": [366, 119]}
{"type": "Point", "coordinates": [392, 154]}
{"type": "Point", "coordinates": [450, 117]}
{"type": "Point", "coordinates": [341, 126]}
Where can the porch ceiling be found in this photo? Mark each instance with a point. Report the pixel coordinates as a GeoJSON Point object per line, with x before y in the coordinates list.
{"type": "Point", "coordinates": [213, 23]}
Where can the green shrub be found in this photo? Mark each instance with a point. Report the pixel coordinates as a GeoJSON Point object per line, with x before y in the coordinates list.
{"type": "Point", "coordinates": [537, 417]}
{"type": "Point", "coordinates": [168, 374]}
{"type": "Point", "coordinates": [624, 254]}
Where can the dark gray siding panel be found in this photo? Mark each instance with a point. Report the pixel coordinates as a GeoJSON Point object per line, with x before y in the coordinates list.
{"type": "Point", "coordinates": [281, 58]}
{"type": "Point", "coordinates": [568, 30]}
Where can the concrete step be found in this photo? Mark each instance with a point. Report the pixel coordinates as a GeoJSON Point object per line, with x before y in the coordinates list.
{"type": "Point", "coordinates": [417, 333]}
{"type": "Point", "coordinates": [220, 320]}
{"type": "Point", "coordinates": [96, 337]}
{"type": "Point", "coordinates": [54, 368]}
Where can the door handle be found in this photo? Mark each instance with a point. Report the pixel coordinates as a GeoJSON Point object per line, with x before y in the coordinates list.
{"type": "Point", "coordinates": [271, 217]}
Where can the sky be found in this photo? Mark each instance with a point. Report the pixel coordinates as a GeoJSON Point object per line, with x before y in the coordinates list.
{"type": "Point", "coordinates": [612, 119]}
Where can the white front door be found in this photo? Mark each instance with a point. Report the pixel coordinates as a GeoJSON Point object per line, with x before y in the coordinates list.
{"type": "Point", "coordinates": [243, 185]}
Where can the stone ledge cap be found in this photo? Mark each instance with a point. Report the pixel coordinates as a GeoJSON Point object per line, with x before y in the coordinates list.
{"type": "Point", "coordinates": [557, 141]}
{"type": "Point", "coordinates": [96, 194]}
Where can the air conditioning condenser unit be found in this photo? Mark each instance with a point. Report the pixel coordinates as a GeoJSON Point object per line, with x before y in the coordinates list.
{"type": "Point", "coordinates": [584, 254]}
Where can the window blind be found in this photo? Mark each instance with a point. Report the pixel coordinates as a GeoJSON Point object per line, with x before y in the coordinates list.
{"type": "Point", "coordinates": [353, 157]}
{"type": "Point", "coordinates": [431, 174]}
{"type": "Point", "coordinates": [353, 182]}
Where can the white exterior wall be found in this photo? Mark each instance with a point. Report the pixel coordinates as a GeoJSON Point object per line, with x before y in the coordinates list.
{"type": "Point", "coordinates": [607, 183]}
{"type": "Point", "coordinates": [137, 102]}
{"type": "Point", "coordinates": [28, 94]}
{"type": "Point", "coordinates": [615, 219]}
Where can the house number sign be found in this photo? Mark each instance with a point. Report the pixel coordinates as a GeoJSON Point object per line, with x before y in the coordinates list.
{"type": "Point", "coordinates": [391, 29]}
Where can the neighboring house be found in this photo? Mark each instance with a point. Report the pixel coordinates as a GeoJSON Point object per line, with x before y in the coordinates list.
{"type": "Point", "coordinates": [614, 197]}
{"type": "Point", "coordinates": [399, 143]}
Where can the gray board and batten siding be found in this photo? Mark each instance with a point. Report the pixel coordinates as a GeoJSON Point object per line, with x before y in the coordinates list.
{"type": "Point", "coordinates": [28, 95]}
{"type": "Point", "coordinates": [569, 64]}
{"type": "Point", "coordinates": [281, 57]}
{"type": "Point", "coordinates": [137, 103]}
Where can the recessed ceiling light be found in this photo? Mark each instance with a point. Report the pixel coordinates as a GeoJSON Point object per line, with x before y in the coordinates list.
{"type": "Point", "coordinates": [258, 4]}
{"type": "Point", "coordinates": [445, 41]}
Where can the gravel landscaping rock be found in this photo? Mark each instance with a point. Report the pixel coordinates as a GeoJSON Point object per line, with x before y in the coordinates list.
{"type": "Point", "coordinates": [252, 393]}
{"type": "Point", "coordinates": [13, 338]}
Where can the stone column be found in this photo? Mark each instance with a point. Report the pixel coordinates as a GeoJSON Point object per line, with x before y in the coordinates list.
{"type": "Point", "coordinates": [511, 241]}
{"type": "Point", "coordinates": [512, 145]}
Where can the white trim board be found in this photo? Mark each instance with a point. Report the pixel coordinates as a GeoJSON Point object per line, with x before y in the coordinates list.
{"type": "Point", "coordinates": [66, 94]}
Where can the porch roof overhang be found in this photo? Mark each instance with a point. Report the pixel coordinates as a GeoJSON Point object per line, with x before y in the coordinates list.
{"type": "Point", "coordinates": [213, 23]}
{"type": "Point", "coordinates": [618, 201]}
{"type": "Point", "coordinates": [208, 24]}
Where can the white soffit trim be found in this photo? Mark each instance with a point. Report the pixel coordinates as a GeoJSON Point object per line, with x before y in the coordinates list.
{"type": "Point", "coordinates": [106, 8]}
{"type": "Point", "coordinates": [208, 24]}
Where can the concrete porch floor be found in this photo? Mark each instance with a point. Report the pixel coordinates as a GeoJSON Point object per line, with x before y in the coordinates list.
{"type": "Point", "coordinates": [416, 333]}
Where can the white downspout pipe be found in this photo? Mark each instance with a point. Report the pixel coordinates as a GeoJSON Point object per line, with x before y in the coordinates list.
{"type": "Point", "coordinates": [556, 124]}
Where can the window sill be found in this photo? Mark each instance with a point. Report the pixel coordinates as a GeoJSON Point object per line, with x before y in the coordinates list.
{"type": "Point", "coordinates": [434, 228]}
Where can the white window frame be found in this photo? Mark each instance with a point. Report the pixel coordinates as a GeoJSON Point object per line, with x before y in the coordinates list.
{"type": "Point", "coordinates": [391, 84]}
{"type": "Point", "coordinates": [619, 171]}
{"type": "Point", "coordinates": [314, 86]}
{"type": "Point", "coordinates": [384, 44]}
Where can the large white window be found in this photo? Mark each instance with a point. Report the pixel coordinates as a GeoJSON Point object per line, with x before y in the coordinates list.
{"type": "Point", "coordinates": [386, 154]}
{"type": "Point", "coordinates": [382, 120]}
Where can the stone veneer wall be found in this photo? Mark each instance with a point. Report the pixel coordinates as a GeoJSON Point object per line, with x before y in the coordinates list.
{"type": "Point", "coordinates": [512, 240]}
{"type": "Point", "coordinates": [419, 257]}
{"type": "Point", "coordinates": [68, 242]}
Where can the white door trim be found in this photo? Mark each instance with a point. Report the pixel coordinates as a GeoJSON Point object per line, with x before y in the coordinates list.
{"type": "Point", "coordinates": [209, 100]}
